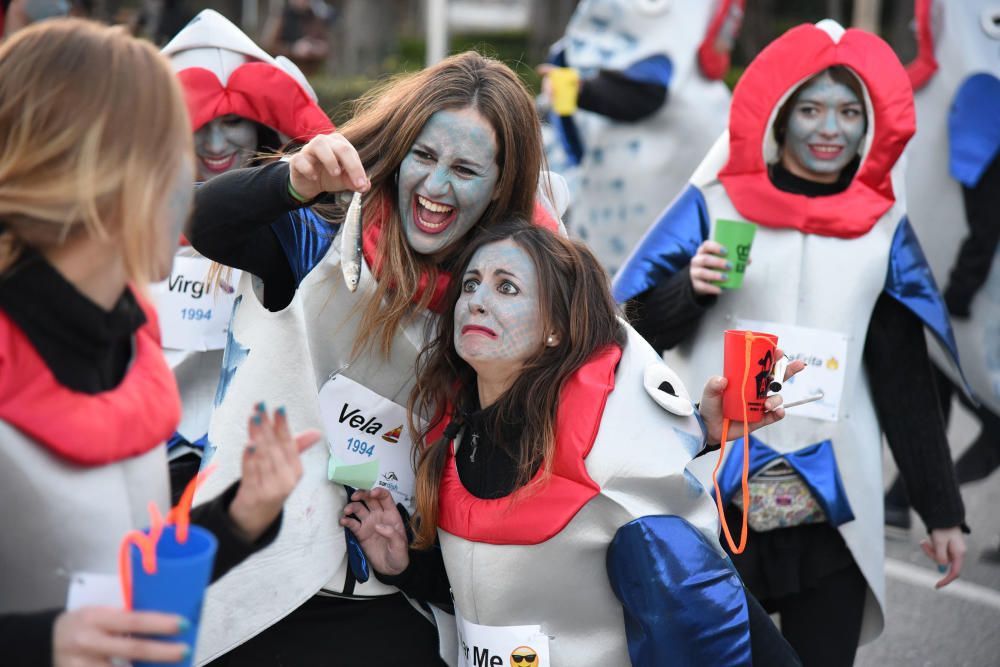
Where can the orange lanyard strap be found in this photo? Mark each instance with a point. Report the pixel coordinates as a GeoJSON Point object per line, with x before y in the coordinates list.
{"type": "Point", "coordinates": [749, 338]}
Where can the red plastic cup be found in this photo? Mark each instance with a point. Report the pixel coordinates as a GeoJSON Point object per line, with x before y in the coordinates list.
{"type": "Point", "coordinates": [755, 366]}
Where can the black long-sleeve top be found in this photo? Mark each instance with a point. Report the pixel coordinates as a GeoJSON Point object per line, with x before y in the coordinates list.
{"type": "Point", "coordinates": [88, 350]}
{"type": "Point", "coordinates": [612, 94]}
{"type": "Point", "coordinates": [896, 362]}
{"type": "Point", "coordinates": [975, 256]}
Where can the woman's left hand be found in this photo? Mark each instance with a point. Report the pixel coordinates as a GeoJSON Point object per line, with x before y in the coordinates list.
{"type": "Point", "coordinates": [946, 546]}
{"type": "Point", "coordinates": [711, 405]}
{"type": "Point", "coordinates": [271, 469]}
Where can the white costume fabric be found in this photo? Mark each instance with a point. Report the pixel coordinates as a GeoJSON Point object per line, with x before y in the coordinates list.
{"type": "Point", "coordinates": [963, 40]}
{"type": "Point", "coordinates": [629, 171]}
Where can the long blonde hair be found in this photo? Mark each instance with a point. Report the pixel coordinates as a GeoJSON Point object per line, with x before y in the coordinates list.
{"type": "Point", "coordinates": [93, 130]}
{"type": "Point", "coordinates": [386, 123]}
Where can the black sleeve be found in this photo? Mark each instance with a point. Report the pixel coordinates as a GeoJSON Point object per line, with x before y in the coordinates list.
{"type": "Point", "coordinates": [233, 547]}
{"type": "Point", "coordinates": [425, 579]}
{"type": "Point", "coordinates": [668, 314]}
{"type": "Point", "coordinates": [231, 225]}
{"type": "Point", "coordinates": [26, 639]}
{"type": "Point", "coordinates": [613, 95]}
{"type": "Point", "coordinates": [909, 412]}
{"type": "Point", "coordinates": [975, 256]}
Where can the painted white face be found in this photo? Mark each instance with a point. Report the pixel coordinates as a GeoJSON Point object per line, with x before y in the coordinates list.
{"type": "Point", "coordinates": [225, 143]}
{"type": "Point", "coordinates": [825, 129]}
{"type": "Point", "coordinates": [175, 214]}
{"type": "Point", "coordinates": [447, 179]}
{"type": "Point", "coordinates": [498, 319]}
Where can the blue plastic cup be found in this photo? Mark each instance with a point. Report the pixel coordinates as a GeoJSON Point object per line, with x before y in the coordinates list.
{"type": "Point", "coordinates": [178, 587]}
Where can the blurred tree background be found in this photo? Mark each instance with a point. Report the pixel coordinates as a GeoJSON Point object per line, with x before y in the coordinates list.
{"type": "Point", "coordinates": [372, 39]}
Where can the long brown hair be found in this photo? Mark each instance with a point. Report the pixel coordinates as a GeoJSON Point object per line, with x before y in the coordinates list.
{"type": "Point", "coordinates": [576, 303]}
{"type": "Point", "coordinates": [92, 126]}
{"type": "Point", "coordinates": [389, 119]}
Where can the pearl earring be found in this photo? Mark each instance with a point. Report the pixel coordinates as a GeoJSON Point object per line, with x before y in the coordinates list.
{"type": "Point", "coordinates": [550, 341]}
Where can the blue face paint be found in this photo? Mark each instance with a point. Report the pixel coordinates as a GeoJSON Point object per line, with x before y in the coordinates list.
{"type": "Point", "coordinates": [224, 144]}
{"type": "Point", "coordinates": [498, 319]}
{"type": "Point", "coordinates": [824, 133]}
{"type": "Point", "coordinates": [447, 179]}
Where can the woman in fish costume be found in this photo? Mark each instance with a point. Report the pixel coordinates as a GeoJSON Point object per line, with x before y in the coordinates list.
{"type": "Point", "coordinates": [651, 103]}
{"type": "Point", "coordinates": [331, 323]}
{"type": "Point", "coordinates": [242, 103]}
{"type": "Point", "coordinates": [818, 122]}
{"type": "Point", "coordinates": [955, 204]}
{"type": "Point", "coordinates": [89, 217]}
{"type": "Point", "coordinates": [554, 478]}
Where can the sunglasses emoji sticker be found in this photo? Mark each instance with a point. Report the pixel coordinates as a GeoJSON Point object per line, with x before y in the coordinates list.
{"type": "Point", "coordinates": [524, 656]}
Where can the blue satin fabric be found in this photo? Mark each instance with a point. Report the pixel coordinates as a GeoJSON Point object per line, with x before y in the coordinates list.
{"type": "Point", "coordinates": [974, 128]}
{"type": "Point", "coordinates": [667, 247]}
{"type": "Point", "coordinates": [305, 238]}
{"type": "Point", "coordinates": [234, 355]}
{"type": "Point", "coordinates": [178, 439]}
{"type": "Point", "coordinates": [683, 602]}
{"type": "Point", "coordinates": [910, 281]}
{"type": "Point", "coordinates": [816, 464]}
{"type": "Point", "coordinates": [655, 69]}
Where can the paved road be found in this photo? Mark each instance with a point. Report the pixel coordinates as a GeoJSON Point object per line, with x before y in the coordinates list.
{"type": "Point", "coordinates": [958, 626]}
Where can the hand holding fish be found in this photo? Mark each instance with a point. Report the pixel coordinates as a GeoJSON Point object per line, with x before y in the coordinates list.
{"type": "Point", "coordinates": [328, 163]}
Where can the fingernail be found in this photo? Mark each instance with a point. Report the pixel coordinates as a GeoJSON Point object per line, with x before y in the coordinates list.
{"type": "Point", "coordinates": [942, 568]}
{"type": "Point", "coordinates": [360, 182]}
{"type": "Point", "coordinates": [723, 251]}
{"type": "Point", "coordinates": [729, 265]}
{"type": "Point", "coordinates": [256, 420]}
{"type": "Point", "coordinates": [251, 449]}
{"type": "Point", "coordinates": [261, 407]}
{"type": "Point", "coordinates": [281, 411]}
{"type": "Point", "coordinates": [187, 652]}
{"type": "Point", "coordinates": [725, 277]}
{"type": "Point", "coordinates": [183, 625]}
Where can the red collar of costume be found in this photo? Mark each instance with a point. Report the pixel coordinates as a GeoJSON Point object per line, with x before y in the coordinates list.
{"type": "Point", "coordinates": [533, 515]}
{"type": "Point", "coordinates": [89, 429]}
{"type": "Point", "coordinates": [797, 55]}
{"type": "Point", "coordinates": [258, 91]}
{"type": "Point", "coordinates": [922, 68]}
{"type": "Point", "coordinates": [373, 231]}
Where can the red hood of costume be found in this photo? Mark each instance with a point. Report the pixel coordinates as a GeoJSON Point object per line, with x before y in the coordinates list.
{"type": "Point", "coordinates": [258, 91]}
{"type": "Point", "coordinates": [716, 47]}
{"type": "Point", "coordinates": [788, 61]}
{"type": "Point", "coordinates": [89, 429]}
{"type": "Point", "coordinates": [533, 515]}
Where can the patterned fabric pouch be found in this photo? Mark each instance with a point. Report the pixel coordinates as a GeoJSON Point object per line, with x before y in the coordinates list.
{"type": "Point", "coordinates": [780, 498]}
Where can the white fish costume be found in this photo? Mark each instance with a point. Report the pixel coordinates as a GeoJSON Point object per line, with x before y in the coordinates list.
{"type": "Point", "coordinates": [628, 172]}
{"type": "Point", "coordinates": [615, 559]}
{"type": "Point", "coordinates": [798, 286]}
{"type": "Point", "coordinates": [302, 357]}
{"type": "Point", "coordinates": [222, 72]}
{"type": "Point", "coordinates": [956, 77]}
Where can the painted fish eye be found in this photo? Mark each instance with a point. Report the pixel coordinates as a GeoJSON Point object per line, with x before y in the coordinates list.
{"type": "Point", "coordinates": [990, 22]}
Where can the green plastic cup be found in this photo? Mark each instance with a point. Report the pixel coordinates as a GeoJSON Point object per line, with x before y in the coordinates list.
{"type": "Point", "coordinates": [736, 236]}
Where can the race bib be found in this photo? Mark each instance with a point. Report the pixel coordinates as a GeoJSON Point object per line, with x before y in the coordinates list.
{"type": "Point", "coordinates": [193, 316]}
{"type": "Point", "coordinates": [369, 439]}
{"type": "Point", "coordinates": [500, 646]}
{"type": "Point", "coordinates": [826, 354]}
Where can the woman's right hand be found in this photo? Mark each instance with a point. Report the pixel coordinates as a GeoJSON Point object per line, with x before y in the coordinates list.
{"type": "Point", "coordinates": [708, 267]}
{"type": "Point", "coordinates": [379, 528]}
{"type": "Point", "coordinates": [328, 163]}
{"type": "Point", "coordinates": [93, 636]}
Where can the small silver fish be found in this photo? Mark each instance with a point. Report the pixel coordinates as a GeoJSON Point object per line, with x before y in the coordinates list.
{"type": "Point", "coordinates": [350, 244]}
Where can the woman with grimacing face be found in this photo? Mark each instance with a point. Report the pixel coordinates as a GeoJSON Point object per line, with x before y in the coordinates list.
{"type": "Point", "coordinates": [814, 142]}
{"type": "Point", "coordinates": [524, 483]}
{"type": "Point", "coordinates": [435, 155]}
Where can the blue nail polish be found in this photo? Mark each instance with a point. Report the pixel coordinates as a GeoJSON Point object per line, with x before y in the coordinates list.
{"type": "Point", "coordinates": [723, 251]}
{"type": "Point", "coordinates": [251, 449]}
{"type": "Point", "coordinates": [261, 407]}
{"type": "Point", "coordinates": [729, 266]}
{"type": "Point", "coordinates": [281, 411]}
{"type": "Point", "coordinates": [187, 652]}
{"type": "Point", "coordinates": [942, 568]}
{"type": "Point", "coordinates": [725, 277]}
{"type": "Point", "coordinates": [183, 624]}
{"type": "Point", "coordinates": [256, 420]}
